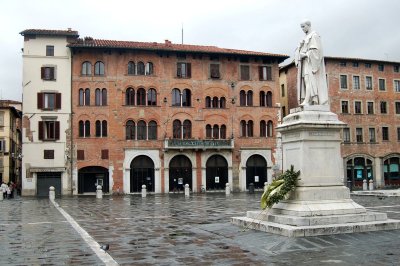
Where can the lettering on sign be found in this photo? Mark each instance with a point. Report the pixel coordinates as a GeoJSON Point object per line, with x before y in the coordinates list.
{"type": "Point", "coordinates": [198, 143]}
{"type": "Point", "coordinates": [292, 135]}
{"type": "Point", "coordinates": [320, 133]}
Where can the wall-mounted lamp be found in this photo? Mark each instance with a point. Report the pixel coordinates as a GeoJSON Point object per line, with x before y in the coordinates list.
{"type": "Point", "coordinates": [165, 100]}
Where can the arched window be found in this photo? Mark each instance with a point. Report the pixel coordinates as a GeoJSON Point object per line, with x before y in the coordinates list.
{"type": "Point", "coordinates": [208, 102]}
{"type": "Point", "coordinates": [81, 129]}
{"type": "Point", "coordinates": [141, 96]}
{"type": "Point", "coordinates": [104, 97]}
{"type": "Point", "coordinates": [269, 99]}
{"type": "Point", "coordinates": [81, 97]}
{"type": "Point", "coordinates": [208, 131]}
{"type": "Point", "coordinates": [98, 128]}
{"type": "Point", "coordinates": [262, 98]}
{"type": "Point", "coordinates": [270, 128]}
{"type": "Point", "coordinates": [130, 130]}
{"type": "Point", "coordinates": [131, 68]}
{"type": "Point", "coordinates": [104, 128]}
{"type": "Point", "coordinates": [140, 68]}
{"type": "Point", "coordinates": [242, 98]}
{"type": "Point", "coordinates": [141, 130]}
{"type": "Point", "coordinates": [215, 102]}
{"type": "Point", "coordinates": [99, 68]}
{"type": "Point", "coordinates": [215, 132]}
{"type": "Point", "coordinates": [87, 128]}
{"type": "Point", "coordinates": [177, 131]}
{"type": "Point", "coordinates": [176, 97]}
{"type": "Point", "coordinates": [151, 97]}
{"type": "Point", "coordinates": [249, 128]}
{"type": "Point", "coordinates": [130, 96]}
{"type": "Point", "coordinates": [97, 101]}
{"type": "Point", "coordinates": [186, 98]}
{"type": "Point", "coordinates": [263, 129]}
{"type": "Point", "coordinates": [249, 98]}
{"type": "Point", "coordinates": [222, 132]}
{"type": "Point", "coordinates": [222, 103]}
{"type": "Point", "coordinates": [149, 68]}
{"type": "Point", "coordinates": [86, 69]}
{"type": "Point", "coordinates": [243, 130]}
{"type": "Point", "coordinates": [187, 129]}
{"type": "Point", "coordinates": [87, 97]}
{"type": "Point", "coordinates": [152, 128]}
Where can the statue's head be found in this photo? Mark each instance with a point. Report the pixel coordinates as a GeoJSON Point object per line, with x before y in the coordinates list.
{"type": "Point", "coordinates": [305, 25]}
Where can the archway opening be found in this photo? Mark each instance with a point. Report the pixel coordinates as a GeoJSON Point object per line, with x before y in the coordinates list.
{"type": "Point", "coordinates": [91, 176]}
{"type": "Point", "coordinates": [216, 173]}
{"type": "Point", "coordinates": [142, 173]}
{"type": "Point", "coordinates": [256, 171]}
{"type": "Point", "coordinates": [180, 173]}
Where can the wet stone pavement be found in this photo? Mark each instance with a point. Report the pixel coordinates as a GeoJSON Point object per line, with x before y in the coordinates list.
{"type": "Point", "coordinates": [174, 230]}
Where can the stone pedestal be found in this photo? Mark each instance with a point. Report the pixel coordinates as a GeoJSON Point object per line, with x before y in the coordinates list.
{"type": "Point", "coordinates": [320, 204]}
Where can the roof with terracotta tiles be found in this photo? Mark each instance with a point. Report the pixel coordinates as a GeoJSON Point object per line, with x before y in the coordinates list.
{"type": "Point", "coordinates": [68, 32]}
{"type": "Point", "coordinates": [167, 46]}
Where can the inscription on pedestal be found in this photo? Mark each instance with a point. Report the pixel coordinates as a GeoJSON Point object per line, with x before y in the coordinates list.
{"type": "Point", "coordinates": [320, 133]}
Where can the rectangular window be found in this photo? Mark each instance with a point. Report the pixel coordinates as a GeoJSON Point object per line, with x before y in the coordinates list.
{"type": "Point", "coordinates": [356, 82]}
{"type": "Point", "coordinates": [342, 63]}
{"type": "Point", "coordinates": [345, 107]}
{"type": "Point", "coordinates": [48, 73]}
{"type": "Point", "coordinates": [104, 154]}
{"type": "Point", "coordinates": [396, 69]}
{"type": "Point", "coordinates": [382, 86]}
{"type": "Point", "coordinates": [383, 107]}
{"type": "Point", "coordinates": [359, 135]}
{"type": "Point", "coordinates": [398, 134]}
{"type": "Point", "coordinates": [367, 65]}
{"type": "Point", "coordinates": [397, 107]}
{"type": "Point", "coordinates": [265, 72]}
{"type": "Point", "coordinates": [343, 81]}
{"type": "Point", "coordinates": [49, 50]}
{"type": "Point", "coordinates": [355, 64]}
{"type": "Point", "coordinates": [244, 72]}
{"type": "Point", "coordinates": [381, 67]}
{"type": "Point", "coordinates": [368, 82]}
{"type": "Point", "coordinates": [346, 135]}
{"type": "Point", "coordinates": [183, 70]}
{"type": "Point", "coordinates": [3, 147]}
{"type": "Point", "coordinates": [48, 154]}
{"type": "Point", "coordinates": [214, 71]}
{"type": "Point", "coordinates": [357, 107]}
{"type": "Point", "coordinates": [371, 133]}
{"type": "Point", "coordinates": [385, 133]}
{"type": "Point", "coordinates": [49, 130]}
{"type": "Point", "coordinates": [80, 154]}
{"type": "Point", "coordinates": [397, 85]}
{"type": "Point", "coordinates": [283, 90]}
{"type": "Point", "coordinates": [1, 121]}
{"type": "Point", "coordinates": [370, 108]}
{"type": "Point", "coordinates": [48, 100]}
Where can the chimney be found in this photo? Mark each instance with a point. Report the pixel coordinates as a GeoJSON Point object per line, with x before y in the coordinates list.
{"type": "Point", "coordinates": [168, 43]}
{"type": "Point", "coordinates": [69, 29]}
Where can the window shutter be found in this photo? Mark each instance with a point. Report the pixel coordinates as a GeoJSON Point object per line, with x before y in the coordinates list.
{"type": "Point", "coordinates": [58, 100]}
{"type": "Point", "coordinates": [42, 70]}
{"type": "Point", "coordinates": [57, 130]}
{"type": "Point", "coordinates": [189, 70]}
{"type": "Point", "coordinates": [40, 100]}
{"type": "Point", "coordinates": [104, 154]}
{"type": "Point", "coordinates": [80, 155]}
{"type": "Point", "coordinates": [260, 72]}
{"type": "Point", "coordinates": [40, 130]}
{"type": "Point", "coordinates": [269, 73]}
{"type": "Point", "coordinates": [52, 77]}
{"type": "Point", "coordinates": [178, 70]}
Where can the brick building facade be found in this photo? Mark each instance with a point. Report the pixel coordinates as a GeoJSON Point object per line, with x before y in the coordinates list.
{"type": "Point", "coordinates": [165, 115]}
{"type": "Point", "coordinates": [366, 95]}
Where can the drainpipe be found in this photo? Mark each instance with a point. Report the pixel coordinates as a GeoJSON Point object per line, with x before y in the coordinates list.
{"type": "Point", "coordinates": [71, 150]}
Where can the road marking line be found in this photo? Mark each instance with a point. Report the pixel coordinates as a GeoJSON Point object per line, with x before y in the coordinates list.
{"type": "Point", "coordinates": [103, 256]}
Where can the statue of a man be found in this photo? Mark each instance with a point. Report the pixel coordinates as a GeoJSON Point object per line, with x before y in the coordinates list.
{"type": "Point", "coordinates": [312, 88]}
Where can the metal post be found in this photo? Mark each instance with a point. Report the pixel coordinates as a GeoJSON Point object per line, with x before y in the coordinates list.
{"type": "Point", "coordinates": [144, 191]}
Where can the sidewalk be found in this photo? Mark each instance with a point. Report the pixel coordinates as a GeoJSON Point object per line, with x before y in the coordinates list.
{"type": "Point", "coordinates": [381, 192]}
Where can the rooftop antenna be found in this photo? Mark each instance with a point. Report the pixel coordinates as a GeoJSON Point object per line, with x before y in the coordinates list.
{"type": "Point", "coordinates": [182, 32]}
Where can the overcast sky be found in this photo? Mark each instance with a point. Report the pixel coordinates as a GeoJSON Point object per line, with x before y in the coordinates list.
{"type": "Point", "coordinates": [349, 28]}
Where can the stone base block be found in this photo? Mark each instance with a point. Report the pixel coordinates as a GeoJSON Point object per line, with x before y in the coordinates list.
{"type": "Point", "coordinates": [315, 230]}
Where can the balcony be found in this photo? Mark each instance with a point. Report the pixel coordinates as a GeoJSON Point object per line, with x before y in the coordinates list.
{"type": "Point", "coordinates": [198, 144]}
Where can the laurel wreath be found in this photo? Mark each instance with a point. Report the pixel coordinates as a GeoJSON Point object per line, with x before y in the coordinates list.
{"type": "Point", "coordinates": [280, 188]}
